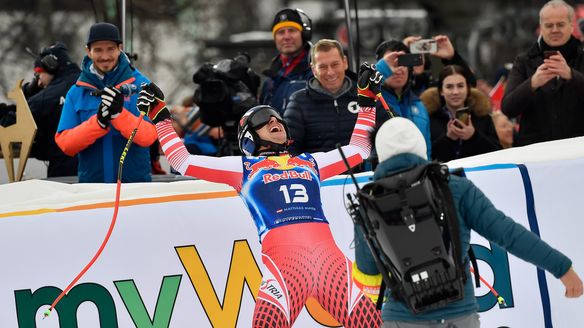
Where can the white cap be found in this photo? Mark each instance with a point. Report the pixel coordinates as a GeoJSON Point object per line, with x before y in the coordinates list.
{"type": "Point", "coordinates": [397, 136]}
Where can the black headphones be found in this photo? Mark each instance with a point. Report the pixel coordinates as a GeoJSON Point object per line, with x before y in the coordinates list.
{"type": "Point", "coordinates": [50, 63]}
{"type": "Point", "coordinates": [306, 25]}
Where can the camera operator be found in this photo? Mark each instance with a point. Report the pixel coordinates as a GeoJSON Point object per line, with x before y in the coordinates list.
{"type": "Point", "coordinates": [55, 73]}
{"type": "Point", "coordinates": [226, 91]}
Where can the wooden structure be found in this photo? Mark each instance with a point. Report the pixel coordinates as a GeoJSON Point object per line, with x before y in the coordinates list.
{"type": "Point", "coordinates": [22, 132]}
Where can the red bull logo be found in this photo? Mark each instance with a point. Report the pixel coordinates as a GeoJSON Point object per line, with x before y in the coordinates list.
{"type": "Point", "coordinates": [264, 164]}
{"type": "Point", "coordinates": [299, 162]}
{"type": "Point", "coordinates": [289, 174]}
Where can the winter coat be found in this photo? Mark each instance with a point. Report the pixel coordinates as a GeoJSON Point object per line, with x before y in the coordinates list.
{"type": "Point", "coordinates": [317, 121]}
{"type": "Point", "coordinates": [475, 212]}
{"type": "Point", "coordinates": [45, 107]}
{"type": "Point", "coordinates": [99, 149]}
{"type": "Point", "coordinates": [553, 111]}
{"type": "Point", "coordinates": [484, 139]}
{"type": "Point", "coordinates": [277, 88]}
{"type": "Point", "coordinates": [408, 105]}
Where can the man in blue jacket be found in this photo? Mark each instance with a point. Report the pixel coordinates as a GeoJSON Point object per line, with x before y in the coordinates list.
{"type": "Point", "coordinates": [400, 146]}
{"type": "Point", "coordinates": [100, 113]}
{"type": "Point", "coordinates": [397, 91]}
{"type": "Point", "coordinates": [290, 69]}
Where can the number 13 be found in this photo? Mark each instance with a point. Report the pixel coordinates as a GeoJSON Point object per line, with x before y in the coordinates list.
{"type": "Point", "coordinates": [299, 195]}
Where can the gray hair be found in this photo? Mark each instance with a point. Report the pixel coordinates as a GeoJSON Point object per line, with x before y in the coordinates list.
{"type": "Point", "coordinates": [556, 4]}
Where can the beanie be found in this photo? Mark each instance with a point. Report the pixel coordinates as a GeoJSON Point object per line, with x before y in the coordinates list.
{"type": "Point", "coordinates": [104, 32]}
{"type": "Point", "coordinates": [397, 136]}
{"type": "Point", "coordinates": [391, 45]}
{"type": "Point", "coordinates": [287, 18]}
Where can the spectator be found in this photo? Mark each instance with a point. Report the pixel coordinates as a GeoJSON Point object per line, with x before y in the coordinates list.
{"type": "Point", "coordinates": [504, 128]}
{"type": "Point", "coordinates": [290, 70]}
{"type": "Point", "coordinates": [475, 212]}
{"type": "Point", "coordinates": [397, 90]}
{"type": "Point", "coordinates": [55, 73]}
{"type": "Point", "coordinates": [445, 51]}
{"type": "Point", "coordinates": [451, 137]}
{"type": "Point", "coordinates": [545, 84]}
{"type": "Point", "coordinates": [321, 115]}
{"type": "Point", "coordinates": [97, 128]}
{"type": "Point", "coordinates": [199, 138]}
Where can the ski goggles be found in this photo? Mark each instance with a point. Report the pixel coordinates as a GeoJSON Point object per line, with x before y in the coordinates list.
{"type": "Point", "coordinates": [262, 117]}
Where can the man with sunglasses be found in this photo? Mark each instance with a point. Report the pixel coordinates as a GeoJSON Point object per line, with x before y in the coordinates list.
{"type": "Point", "coordinates": [282, 193]}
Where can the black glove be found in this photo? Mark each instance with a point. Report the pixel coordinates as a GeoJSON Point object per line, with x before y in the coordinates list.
{"type": "Point", "coordinates": [112, 102]}
{"type": "Point", "coordinates": [368, 85]}
{"type": "Point", "coordinates": [31, 88]}
{"type": "Point", "coordinates": [151, 103]}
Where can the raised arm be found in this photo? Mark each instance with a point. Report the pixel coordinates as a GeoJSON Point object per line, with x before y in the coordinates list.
{"type": "Point", "coordinates": [359, 147]}
{"type": "Point", "coordinates": [226, 170]}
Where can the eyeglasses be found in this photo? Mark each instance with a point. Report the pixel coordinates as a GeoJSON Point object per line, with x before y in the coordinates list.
{"type": "Point", "coordinates": [558, 25]}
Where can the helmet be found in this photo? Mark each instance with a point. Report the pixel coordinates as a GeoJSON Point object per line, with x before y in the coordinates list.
{"type": "Point", "coordinates": [253, 119]}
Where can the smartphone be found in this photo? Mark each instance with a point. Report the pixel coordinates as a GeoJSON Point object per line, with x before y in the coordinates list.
{"type": "Point", "coordinates": [462, 114]}
{"type": "Point", "coordinates": [410, 60]}
{"type": "Point", "coordinates": [423, 46]}
{"type": "Point", "coordinates": [548, 53]}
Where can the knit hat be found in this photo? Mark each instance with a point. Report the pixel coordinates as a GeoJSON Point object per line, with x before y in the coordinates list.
{"type": "Point", "coordinates": [287, 18]}
{"type": "Point", "coordinates": [397, 136]}
{"type": "Point", "coordinates": [104, 32]}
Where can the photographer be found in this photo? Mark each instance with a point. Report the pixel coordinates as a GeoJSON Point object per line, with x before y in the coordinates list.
{"type": "Point", "coordinates": [226, 91]}
{"type": "Point", "coordinates": [55, 73]}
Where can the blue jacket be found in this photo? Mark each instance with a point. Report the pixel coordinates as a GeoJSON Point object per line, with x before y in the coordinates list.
{"type": "Point", "coordinates": [99, 150]}
{"type": "Point", "coordinates": [475, 211]}
{"type": "Point", "coordinates": [407, 106]}
{"type": "Point", "coordinates": [278, 88]}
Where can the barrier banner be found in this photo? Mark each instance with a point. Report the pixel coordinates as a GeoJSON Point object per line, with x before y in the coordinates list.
{"type": "Point", "coordinates": [186, 254]}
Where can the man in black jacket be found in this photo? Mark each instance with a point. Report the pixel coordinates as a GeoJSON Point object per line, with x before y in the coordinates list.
{"type": "Point", "coordinates": [45, 94]}
{"type": "Point", "coordinates": [545, 88]}
{"type": "Point", "coordinates": [322, 115]}
{"type": "Point", "coordinates": [290, 69]}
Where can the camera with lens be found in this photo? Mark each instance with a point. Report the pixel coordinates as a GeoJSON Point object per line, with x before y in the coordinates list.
{"type": "Point", "coordinates": [226, 91]}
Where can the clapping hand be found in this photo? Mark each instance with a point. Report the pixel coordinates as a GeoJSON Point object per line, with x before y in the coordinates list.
{"type": "Point", "coordinates": [112, 102]}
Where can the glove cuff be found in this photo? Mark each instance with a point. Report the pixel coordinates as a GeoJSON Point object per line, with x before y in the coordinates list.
{"type": "Point", "coordinates": [365, 101]}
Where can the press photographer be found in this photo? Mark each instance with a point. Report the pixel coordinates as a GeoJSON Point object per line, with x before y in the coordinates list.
{"type": "Point", "coordinates": [226, 91]}
{"type": "Point", "coordinates": [54, 74]}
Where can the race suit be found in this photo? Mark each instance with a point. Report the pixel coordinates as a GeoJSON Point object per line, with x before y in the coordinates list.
{"type": "Point", "coordinates": [299, 255]}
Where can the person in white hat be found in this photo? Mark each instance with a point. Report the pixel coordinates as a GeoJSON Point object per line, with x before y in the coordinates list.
{"type": "Point", "coordinates": [400, 145]}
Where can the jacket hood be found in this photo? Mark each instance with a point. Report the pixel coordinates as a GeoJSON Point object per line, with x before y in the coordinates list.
{"type": "Point", "coordinates": [394, 164]}
{"type": "Point", "coordinates": [479, 103]}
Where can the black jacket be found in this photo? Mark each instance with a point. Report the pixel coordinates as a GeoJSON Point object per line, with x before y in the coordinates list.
{"type": "Point", "coordinates": [553, 111]}
{"type": "Point", "coordinates": [317, 121]}
{"type": "Point", "coordinates": [484, 139]}
{"type": "Point", "coordinates": [45, 107]}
